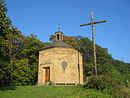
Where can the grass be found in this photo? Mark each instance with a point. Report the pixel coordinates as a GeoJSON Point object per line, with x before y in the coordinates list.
{"type": "Point", "coordinates": [52, 92]}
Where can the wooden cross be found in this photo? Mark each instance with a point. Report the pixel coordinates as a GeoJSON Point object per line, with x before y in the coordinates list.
{"type": "Point", "coordinates": [93, 39]}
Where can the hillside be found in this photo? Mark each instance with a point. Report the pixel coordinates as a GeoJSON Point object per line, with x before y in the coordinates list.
{"type": "Point", "coordinates": [52, 92]}
{"type": "Point", "coordinates": [19, 61]}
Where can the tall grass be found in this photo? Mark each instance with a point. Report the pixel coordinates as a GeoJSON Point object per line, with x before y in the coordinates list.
{"type": "Point", "coordinates": [52, 92]}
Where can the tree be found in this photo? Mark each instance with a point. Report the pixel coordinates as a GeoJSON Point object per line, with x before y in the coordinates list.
{"type": "Point", "coordinates": [5, 25]}
{"type": "Point", "coordinates": [27, 61]}
{"type": "Point", "coordinates": [10, 43]}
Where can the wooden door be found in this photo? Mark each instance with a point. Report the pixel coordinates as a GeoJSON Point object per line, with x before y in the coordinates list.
{"type": "Point", "coordinates": [47, 74]}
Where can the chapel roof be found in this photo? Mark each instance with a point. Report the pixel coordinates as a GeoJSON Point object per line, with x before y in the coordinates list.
{"type": "Point", "coordinates": [58, 43]}
{"type": "Point", "coordinates": [59, 32]}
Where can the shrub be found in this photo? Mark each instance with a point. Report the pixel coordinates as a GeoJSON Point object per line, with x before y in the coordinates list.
{"type": "Point", "coordinates": [99, 82]}
{"type": "Point", "coordinates": [105, 84]}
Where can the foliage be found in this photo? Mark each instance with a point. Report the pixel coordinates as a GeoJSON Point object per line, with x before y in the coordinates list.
{"type": "Point", "coordinates": [10, 43]}
{"type": "Point", "coordinates": [99, 82]}
{"type": "Point", "coordinates": [30, 52]}
{"type": "Point", "coordinates": [7, 44]}
{"type": "Point", "coordinates": [52, 38]}
{"type": "Point", "coordinates": [86, 48]}
{"type": "Point", "coordinates": [18, 53]}
{"type": "Point", "coordinates": [112, 74]}
{"type": "Point", "coordinates": [21, 71]}
{"type": "Point", "coordinates": [107, 85]}
{"type": "Point", "coordinates": [19, 58]}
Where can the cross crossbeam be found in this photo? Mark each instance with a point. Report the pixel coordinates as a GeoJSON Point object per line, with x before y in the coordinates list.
{"type": "Point", "coordinates": [93, 39]}
{"type": "Point", "coordinates": [92, 23]}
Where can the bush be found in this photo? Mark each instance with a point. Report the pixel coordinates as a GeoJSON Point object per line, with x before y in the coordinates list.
{"type": "Point", "coordinates": [105, 84]}
{"type": "Point", "coordinates": [99, 82]}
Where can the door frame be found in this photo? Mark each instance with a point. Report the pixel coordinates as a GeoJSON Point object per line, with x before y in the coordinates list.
{"type": "Point", "coordinates": [46, 74]}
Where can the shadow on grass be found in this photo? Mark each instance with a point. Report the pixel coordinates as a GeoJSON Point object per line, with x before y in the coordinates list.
{"type": "Point", "coordinates": [10, 87]}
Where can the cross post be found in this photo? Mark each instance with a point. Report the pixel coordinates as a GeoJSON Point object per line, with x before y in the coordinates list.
{"type": "Point", "coordinates": [93, 39]}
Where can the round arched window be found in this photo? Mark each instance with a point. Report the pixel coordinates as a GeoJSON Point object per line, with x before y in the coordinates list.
{"type": "Point", "coordinates": [64, 65]}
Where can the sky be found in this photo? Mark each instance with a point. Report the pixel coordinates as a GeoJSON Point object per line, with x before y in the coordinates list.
{"type": "Point", "coordinates": [42, 18]}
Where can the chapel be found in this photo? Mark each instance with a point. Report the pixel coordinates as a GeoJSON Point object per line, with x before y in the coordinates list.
{"type": "Point", "coordinates": [60, 63]}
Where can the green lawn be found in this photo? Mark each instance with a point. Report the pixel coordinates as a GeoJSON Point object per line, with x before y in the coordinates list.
{"type": "Point", "coordinates": [52, 92]}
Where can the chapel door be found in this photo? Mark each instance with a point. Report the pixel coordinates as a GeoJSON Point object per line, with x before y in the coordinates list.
{"type": "Point", "coordinates": [47, 74]}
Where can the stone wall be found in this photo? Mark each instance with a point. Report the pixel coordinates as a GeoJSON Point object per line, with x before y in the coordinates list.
{"type": "Point", "coordinates": [53, 58]}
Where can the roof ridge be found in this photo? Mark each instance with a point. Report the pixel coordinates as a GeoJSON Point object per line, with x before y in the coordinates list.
{"type": "Point", "coordinates": [58, 43]}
